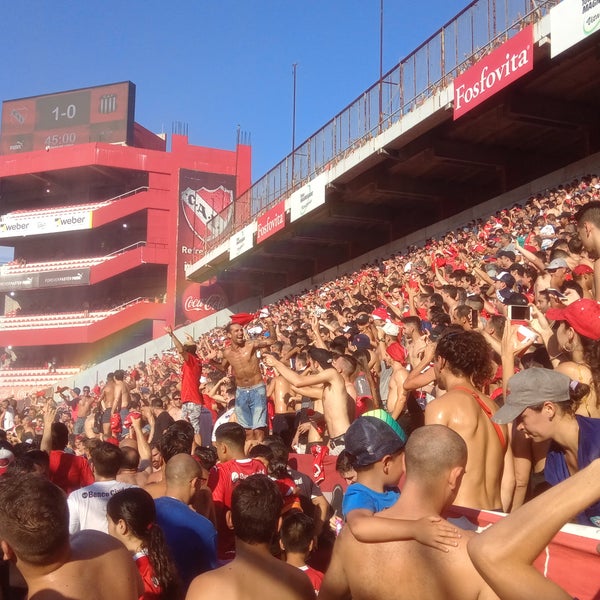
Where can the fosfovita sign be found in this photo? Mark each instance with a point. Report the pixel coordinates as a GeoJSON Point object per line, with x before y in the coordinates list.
{"type": "Point", "coordinates": [494, 72]}
{"type": "Point", "coordinates": [271, 222]}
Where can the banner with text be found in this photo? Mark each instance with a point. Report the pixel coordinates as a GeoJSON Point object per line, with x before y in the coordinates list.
{"type": "Point", "coordinates": [48, 279]}
{"type": "Point", "coordinates": [494, 72]}
{"type": "Point", "coordinates": [12, 225]}
{"type": "Point", "coordinates": [271, 222]}
{"type": "Point", "coordinates": [242, 241]}
{"type": "Point", "coordinates": [572, 21]}
{"type": "Point", "coordinates": [308, 197]}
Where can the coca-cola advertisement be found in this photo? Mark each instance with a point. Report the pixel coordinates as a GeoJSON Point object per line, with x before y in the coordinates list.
{"type": "Point", "coordinates": [205, 212]}
{"type": "Point", "coordinates": [201, 300]}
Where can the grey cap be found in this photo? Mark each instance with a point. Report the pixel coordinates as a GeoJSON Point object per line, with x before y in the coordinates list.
{"type": "Point", "coordinates": [530, 388]}
{"type": "Point", "coordinates": [557, 263]}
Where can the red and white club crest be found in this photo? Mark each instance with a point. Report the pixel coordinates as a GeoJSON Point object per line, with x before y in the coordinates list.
{"type": "Point", "coordinates": [208, 212]}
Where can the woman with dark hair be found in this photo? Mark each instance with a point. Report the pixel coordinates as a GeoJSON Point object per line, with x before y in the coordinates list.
{"type": "Point", "coordinates": [132, 520]}
{"type": "Point", "coordinates": [577, 338]}
{"type": "Point", "coordinates": [543, 402]}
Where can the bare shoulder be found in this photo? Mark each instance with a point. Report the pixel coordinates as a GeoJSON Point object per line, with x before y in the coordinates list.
{"type": "Point", "coordinates": [436, 411]}
{"type": "Point", "coordinates": [90, 542]}
{"type": "Point", "coordinates": [273, 579]}
{"type": "Point", "coordinates": [213, 584]}
{"type": "Point", "coordinates": [156, 488]}
{"type": "Point", "coordinates": [93, 555]}
{"type": "Point", "coordinates": [299, 583]}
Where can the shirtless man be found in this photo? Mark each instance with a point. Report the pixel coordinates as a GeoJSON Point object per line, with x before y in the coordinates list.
{"type": "Point", "coordinates": [254, 574]}
{"type": "Point", "coordinates": [346, 365]}
{"type": "Point", "coordinates": [338, 406]}
{"type": "Point", "coordinates": [251, 393]}
{"type": "Point", "coordinates": [285, 415]}
{"type": "Point", "coordinates": [34, 534]}
{"type": "Point", "coordinates": [107, 401]}
{"type": "Point", "coordinates": [462, 364]}
{"type": "Point", "coordinates": [435, 463]}
{"type": "Point", "coordinates": [84, 406]}
{"type": "Point", "coordinates": [397, 395]}
{"type": "Point", "coordinates": [175, 407]}
{"type": "Point", "coordinates": [122, 395]}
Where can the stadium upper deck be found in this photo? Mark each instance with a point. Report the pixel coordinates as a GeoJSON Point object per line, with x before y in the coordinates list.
{"type": "Point", "coordinates": [485, 105]}
{"type": "Point", "coordinates": [99, 221]}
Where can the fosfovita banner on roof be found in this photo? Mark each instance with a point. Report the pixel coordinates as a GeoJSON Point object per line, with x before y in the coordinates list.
{"type": "Point", "coordinates": [494, 72]}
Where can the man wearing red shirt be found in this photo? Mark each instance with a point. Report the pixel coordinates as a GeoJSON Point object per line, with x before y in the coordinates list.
{"type": "Point", "coordinates": [193, 409]}
{"type": "Point", "coordinates": [232, 468]}
{"type": "Point", "coordinates": [68, 471]}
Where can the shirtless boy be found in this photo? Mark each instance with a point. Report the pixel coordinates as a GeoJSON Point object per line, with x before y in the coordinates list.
{"type": "Point", "coordinates": [34, 534]}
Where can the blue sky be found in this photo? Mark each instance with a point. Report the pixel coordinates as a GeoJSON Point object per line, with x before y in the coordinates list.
{"type": "Point", "coordinates": [215, 64]}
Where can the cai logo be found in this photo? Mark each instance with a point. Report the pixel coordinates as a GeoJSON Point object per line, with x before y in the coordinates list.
{"type": "Point", "coordinates": [207, 212]}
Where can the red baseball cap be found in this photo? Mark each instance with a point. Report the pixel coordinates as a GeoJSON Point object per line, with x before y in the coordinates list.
{"type": "Point", "coordinates": [582, 270]}
{"type": "Point", "coordinates": [582, 315]}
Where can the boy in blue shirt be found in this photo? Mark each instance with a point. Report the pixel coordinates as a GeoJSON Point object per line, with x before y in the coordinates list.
{"type": "Point", "coordinates": [375, 444]}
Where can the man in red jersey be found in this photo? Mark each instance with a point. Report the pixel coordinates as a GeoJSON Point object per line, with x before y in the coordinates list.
{"type": "Point", "coordinates": [193, 409]}
{"type": "Point", "coordinates": [232, 468]}
{"type": "Point", "coordinates": [68, 471]}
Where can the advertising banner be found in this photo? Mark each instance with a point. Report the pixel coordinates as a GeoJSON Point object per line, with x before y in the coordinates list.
{"type": "Point", "coordinates": [64, 278]}
{"type": "Point", "coordinates": [242, 241]}
{"type": "Point", "coordinates": [205, 210]}
{"type": "Point", "coordinates": [572, 21]}
{"type": "Point", "coordinates": [13, 225]}
{"type": "Point", "coordinates": [271, 222]}
{"type": "Point", "coordinates": [48, 279]}
{"type": "Point", "coordinates": [12, 283]}
{"type": "Point", "coordinates": [494, 72]}
{"type": "Point", "coordinates": [308, 197]}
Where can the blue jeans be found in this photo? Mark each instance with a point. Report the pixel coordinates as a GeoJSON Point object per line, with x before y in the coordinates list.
{"type": "Point", "coordinates": [251, 406]}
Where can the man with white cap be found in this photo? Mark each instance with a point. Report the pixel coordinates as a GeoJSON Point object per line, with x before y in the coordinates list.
{"type": "Point", "coordinates": [557, 268]}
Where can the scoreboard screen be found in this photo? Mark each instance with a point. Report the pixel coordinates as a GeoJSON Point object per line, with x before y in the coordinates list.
{"type": "Point", "coordinates": [96, 114]}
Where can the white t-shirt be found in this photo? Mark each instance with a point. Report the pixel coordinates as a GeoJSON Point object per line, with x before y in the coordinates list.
{"type": "Point", "coordinates": [87, 505]}
{"type": "Point", "coordinates": [224, 418]}
{"type": "Point", "coordinates": [9, 420]}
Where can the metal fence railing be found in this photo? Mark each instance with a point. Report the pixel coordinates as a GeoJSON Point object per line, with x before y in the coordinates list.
{"type": "Point", "coordinates": [475, 31]}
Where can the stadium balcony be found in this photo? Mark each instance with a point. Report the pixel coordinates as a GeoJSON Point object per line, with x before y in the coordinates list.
{"type": "Point", "coordinates": [92, 270]}
{"type": "Point", "coordinates": [38, 267]}
{"type": "Point", "coordinates": [58, 210]}
{"type": "Point", "coordinates": [18, 382]}
{"type": "Point", "coordinates": [76, 327]}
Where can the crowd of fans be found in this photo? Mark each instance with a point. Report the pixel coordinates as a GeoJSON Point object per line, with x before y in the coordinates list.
{"type": "Point", "coordinates": [473, 360]}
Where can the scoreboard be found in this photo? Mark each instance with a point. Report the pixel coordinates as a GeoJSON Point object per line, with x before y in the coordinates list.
{"type": "Point", "coordinates": [96, 114]}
